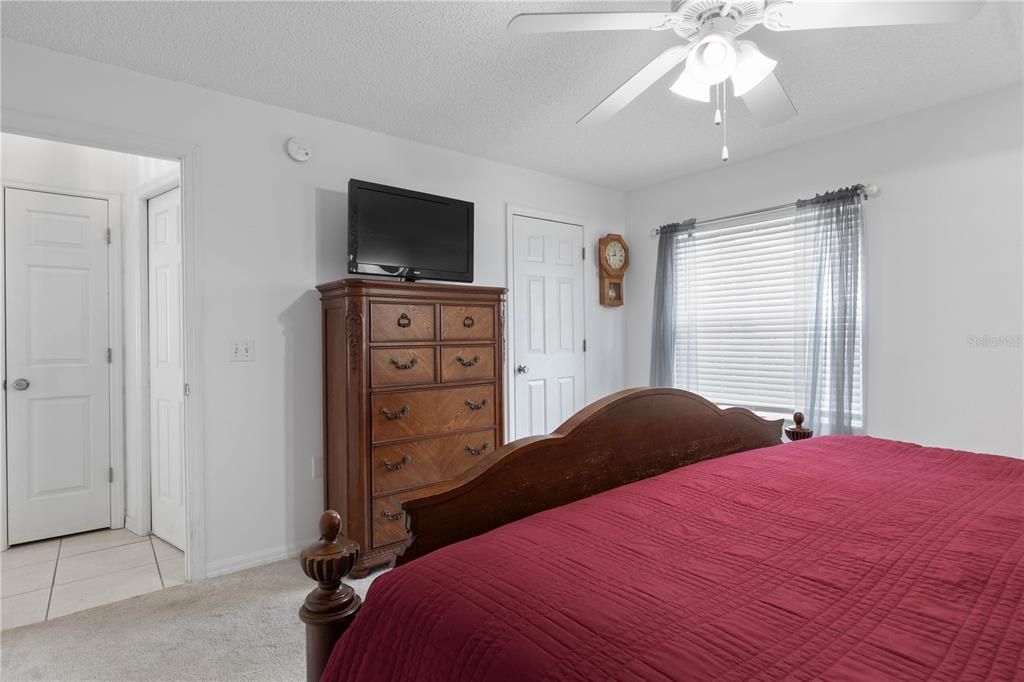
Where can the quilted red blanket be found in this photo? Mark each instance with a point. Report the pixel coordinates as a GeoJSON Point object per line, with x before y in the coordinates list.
{"type": "Point", "coordinates": [838, 558]}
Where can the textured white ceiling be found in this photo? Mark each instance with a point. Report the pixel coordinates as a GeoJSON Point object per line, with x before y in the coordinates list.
{"type": "Point", "coordinates": [449, 74]}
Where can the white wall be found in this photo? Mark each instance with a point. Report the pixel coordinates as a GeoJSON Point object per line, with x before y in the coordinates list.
{"type": "Point", "coordinates": [67, 167]}
{"type": "Point", "coordinates": [271, 229]}
{"type": "Point", "coordinates": [943, 261]}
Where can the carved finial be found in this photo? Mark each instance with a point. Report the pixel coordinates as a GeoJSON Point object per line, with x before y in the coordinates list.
{"type": "Point", "coordinates": [330, 520]}
{"type": "Point", "coordinates": [798, 418]}
{"type": "Point", "coordinates": [332, 605]}
{"type": "Point", "coordinates": [798, 432]}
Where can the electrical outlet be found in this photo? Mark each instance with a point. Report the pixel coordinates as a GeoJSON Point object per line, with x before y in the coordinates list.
{"type": "Point", "coordinates": [242, 351]}
{"type": "Point", "coordinates": [318, 468]}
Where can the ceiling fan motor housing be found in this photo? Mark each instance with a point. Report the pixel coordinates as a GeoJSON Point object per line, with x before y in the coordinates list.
{"type": "Point", "coordinates": [697, 18]}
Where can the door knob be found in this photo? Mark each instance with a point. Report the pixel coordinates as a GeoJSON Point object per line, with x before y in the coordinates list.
{"type": "Point", "coordinates": [522, 369]}
{"type": "Point", "coordinates": [20, 384]}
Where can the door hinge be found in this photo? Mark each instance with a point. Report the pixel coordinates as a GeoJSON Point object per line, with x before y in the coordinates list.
{"type": "Point", "coordinates": [584, 345]}
{"type": "Point", "coordinates": [110, 355]}
{"type": "Point", "coordinates": [110, 474]}
{"type": "Point", "coordinates": [188, 390]}
{"type": "Point", "coordinates": [584, 254]}
{"type": "Point", "coordinates": [108, 235]}
{"type": "Point", "coordinates": [5, 384]}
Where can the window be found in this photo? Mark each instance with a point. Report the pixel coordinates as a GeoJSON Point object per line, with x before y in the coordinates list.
{"type": "Point", "coordinates": [745, 308]}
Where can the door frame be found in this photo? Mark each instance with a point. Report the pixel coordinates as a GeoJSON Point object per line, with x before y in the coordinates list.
{"type": "Point", "coordinates": [115, 331]}
{"type": "Point", "coordinates": [511, 211]}
{"type": "Point", "coordinates": [137, 412]}
{"type": "Point", "coordinates": [187, 153]}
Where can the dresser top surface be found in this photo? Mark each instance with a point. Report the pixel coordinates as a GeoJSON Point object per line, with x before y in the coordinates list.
{"type": "Point", "coordinates": [357, 286]}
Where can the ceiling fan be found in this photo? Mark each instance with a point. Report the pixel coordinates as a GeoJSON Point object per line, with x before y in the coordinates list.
{"type": "Point", "coordinates": [713, 53]}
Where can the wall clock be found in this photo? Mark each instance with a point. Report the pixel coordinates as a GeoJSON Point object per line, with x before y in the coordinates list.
{"type": "Point", "coordinates": [614, 255]}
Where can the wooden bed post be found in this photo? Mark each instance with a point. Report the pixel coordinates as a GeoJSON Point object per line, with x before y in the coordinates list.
{"type": "Point", "coordinates": [330, 608]}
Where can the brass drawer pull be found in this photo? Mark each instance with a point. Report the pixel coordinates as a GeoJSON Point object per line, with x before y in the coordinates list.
{"type": "Point", "coordinates": [395, 415]}
{"type": "Point", "coordinates": [468, 363]}
{"type": "Point", "coordinates": [404, 365]}
{"type": "Point", "coordinates": [401, 464]}
{"type": "Point", "coordinates": [476, 452]}
{"type": "Point", "coordinates": [478, 406]}
{"type": "Point", "coordinates": [468, 321]}
{"type": "Point", "coordinates": [389, 515]}
{"type": "Point", "coordinates": [404, 321]}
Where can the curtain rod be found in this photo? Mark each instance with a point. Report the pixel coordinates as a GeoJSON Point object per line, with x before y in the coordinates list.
{"type": "Point", "coordinates": [869, 191]}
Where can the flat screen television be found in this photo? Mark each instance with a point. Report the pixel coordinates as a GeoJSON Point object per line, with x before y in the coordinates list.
{"type": "Point", "coordinates": [412, 235]}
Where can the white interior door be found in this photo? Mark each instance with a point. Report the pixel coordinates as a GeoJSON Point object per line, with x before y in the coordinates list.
{"type": "Point", "coordinates": [58, 371]}
{"type": "Point", "coordinates": [166, 369]}
{"type": "Point", "coordinates": [548, 329]}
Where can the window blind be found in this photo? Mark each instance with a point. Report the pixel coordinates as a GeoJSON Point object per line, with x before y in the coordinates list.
{"type": "Point", "coordinates": [744, 306]}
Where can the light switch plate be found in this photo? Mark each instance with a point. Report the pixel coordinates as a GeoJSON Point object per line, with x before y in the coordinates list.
{"type": "Point", "coordinates": [318, 467]}
{"type": "Point", "coordinates": [243, 350]}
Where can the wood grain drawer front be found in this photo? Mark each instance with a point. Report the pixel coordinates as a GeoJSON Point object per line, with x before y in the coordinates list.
{"type": "Point", "coordinates": [402, 366]}
{"type": "Point", "coordinates": [388, 523]}
{"type": "Point", "coordinates": [467, 363]}
{"type": "Point", "coordinates": [421, 413]}
{"type": "Point", "coordinates": [467, 323]}
{"type": "Point", "coordinates": [401, 322]}
{"type": "Point", "coordinates": [410, 465]}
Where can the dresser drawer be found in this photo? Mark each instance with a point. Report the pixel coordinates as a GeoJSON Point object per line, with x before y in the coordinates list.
{"type": "Point", "coordinates": [388, 523]}
{"type": "Point", "coordinates": [402, 366]}
{"type": "Point", "coordinates": [466, 363]}
{"type": "Point", "coordinates": [421, 462]}
{"type": "Point", "coordinates": [467, 323]}
{"type": "Point", "coordinates": [401, 322]}
{"type": "Point", "coordinates": [421, 413]}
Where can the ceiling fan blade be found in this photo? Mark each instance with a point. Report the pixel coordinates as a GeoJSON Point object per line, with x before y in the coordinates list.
{"type": "Point", "coordinates": [768, 102]}
{"type": "Point", "coordinates": [587, 21]}
{"type": "Point", "coordinates": [640, 81]}
{"type": "Point", "coordinates": [798, 15]}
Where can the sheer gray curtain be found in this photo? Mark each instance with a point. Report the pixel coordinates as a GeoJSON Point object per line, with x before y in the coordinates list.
{"type": "Point", "coordinates": [666, 278]}
{"type": "Point", "coordinates": [833, 224]}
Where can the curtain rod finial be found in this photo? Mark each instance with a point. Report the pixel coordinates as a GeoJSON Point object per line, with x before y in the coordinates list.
{"type": "Point", "coordinates": [871, 190]}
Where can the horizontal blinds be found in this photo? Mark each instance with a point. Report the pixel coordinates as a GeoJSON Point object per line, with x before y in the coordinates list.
{"type": "Point", "coordinates": [743, 315]}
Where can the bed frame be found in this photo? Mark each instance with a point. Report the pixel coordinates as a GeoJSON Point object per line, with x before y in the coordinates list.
{"type": "Point", "coordinates": [628, 436]}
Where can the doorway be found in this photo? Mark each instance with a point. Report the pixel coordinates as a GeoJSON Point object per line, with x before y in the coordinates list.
{"type": "Point", "coordinates": [548, 327]}
{"type": "Point", "coordinates": [94, 367]}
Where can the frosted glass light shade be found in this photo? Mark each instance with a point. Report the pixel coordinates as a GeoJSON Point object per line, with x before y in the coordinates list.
{"type": "Point", "coordinates": [688, 86]}
{"type": "Point", "coordinates": [712, 60]}
{"type": "Point", "coordinates": [752, 67]}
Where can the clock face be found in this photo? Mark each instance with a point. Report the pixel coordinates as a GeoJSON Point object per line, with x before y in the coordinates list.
{"type": "Point", "coordinates": [615, 255]}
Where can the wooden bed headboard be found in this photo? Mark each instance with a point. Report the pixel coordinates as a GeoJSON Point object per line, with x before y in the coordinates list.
{"type": "Point", "coordinates": [625, 437]}
{"type": "Point", "coordinates": [628, 436]}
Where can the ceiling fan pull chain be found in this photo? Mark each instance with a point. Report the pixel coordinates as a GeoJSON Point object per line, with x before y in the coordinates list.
{"type": "Point", "coordinates": [718, 104]}
{"type": "Point", "coordinates": [725, 124]}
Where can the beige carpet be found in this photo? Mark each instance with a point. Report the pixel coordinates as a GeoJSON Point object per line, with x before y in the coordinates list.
{"type": "Point", "coordinates": [242, 626]}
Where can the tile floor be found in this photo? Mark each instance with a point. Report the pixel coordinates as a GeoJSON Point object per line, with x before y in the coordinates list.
{"type": "Point", "coordinates": [51, 578]}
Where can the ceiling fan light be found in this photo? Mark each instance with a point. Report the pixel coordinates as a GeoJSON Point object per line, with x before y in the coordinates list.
{"type": "Point", "coordinates": [712, 59]}
{"type": "Point", "coordinates": [688, 86]}
{"type": "Point", "coordinates": [752, 67]}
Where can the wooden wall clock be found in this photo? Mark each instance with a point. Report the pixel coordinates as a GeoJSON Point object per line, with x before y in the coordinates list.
{"type": "Point", "coordinates": [614, 255]}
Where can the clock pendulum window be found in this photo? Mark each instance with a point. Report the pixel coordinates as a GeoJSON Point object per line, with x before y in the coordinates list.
{"type": "Point", "coordinates": [614, 259]}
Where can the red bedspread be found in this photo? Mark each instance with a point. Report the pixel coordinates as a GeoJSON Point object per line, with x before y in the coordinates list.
{"type": "Point", "coordinates": [837, 558]}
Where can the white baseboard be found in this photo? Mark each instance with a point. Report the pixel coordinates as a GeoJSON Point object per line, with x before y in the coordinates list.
{"type": "Point", "coordinates": [134, 525]}
{"type": "Point", "coordinates": [240, 563]}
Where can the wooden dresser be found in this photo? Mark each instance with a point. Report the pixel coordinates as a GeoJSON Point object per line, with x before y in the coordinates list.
{"type": "Point", "coordinates": [413, 395]}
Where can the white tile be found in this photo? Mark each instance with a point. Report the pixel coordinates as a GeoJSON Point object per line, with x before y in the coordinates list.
{"type": "Point", "coordinates": [165, 550]}
{"type": "Point", "coordinates": [100, 539]}
{"type": "Point", "coordinates": [27, 578]}
{"type": "Point", "coordinates": [92, 564]}
{"type": "Point", "coordinates": [103, 589]}
{"type": "Point", "coordinates": [30, 553]}
{"type": "Point", "coordinates": [171, 561]}
{"type": "Point", "coordinates": [23, 609]}
{"type": "Point", "coordinates": [172, 570]}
